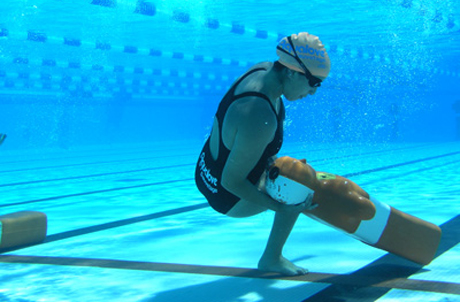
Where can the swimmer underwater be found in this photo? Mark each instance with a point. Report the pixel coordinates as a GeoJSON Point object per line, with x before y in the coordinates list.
{"type": "Point", "coordinates": [247, 135]}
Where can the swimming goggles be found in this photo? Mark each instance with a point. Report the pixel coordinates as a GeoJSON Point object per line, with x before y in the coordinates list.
{"type": "Point", "coordinates": [312, 80]}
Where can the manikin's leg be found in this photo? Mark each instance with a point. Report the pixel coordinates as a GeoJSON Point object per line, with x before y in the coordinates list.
{"type": "Point", "coordinates": [272, 259]}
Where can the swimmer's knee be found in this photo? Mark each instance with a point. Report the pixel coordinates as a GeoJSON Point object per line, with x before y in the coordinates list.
{"type": "Point", "coordinates": [245, 208]}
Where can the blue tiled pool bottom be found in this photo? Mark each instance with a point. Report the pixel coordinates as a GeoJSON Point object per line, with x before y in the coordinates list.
{"type": "Point", "coordinates": [127, 224]}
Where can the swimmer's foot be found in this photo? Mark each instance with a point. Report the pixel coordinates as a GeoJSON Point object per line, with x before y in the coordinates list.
{"type": "Point", "coordinates": [280, 265]}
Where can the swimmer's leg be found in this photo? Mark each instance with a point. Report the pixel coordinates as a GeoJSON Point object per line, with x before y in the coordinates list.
{"type": "Point", "coordinates": [245, 208]}
{"type": "Point", "coordinates": [272, 259]}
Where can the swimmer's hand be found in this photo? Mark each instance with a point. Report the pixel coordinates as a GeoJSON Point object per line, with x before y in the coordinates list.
{"type": "Point", "coordinates": [307, 205]}
{"type": "Point", "coordinates": [2, 138]}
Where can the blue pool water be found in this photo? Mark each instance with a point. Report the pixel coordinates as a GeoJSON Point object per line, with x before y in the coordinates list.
{"type": "Point", "coordinates": [106, 104]}
{"type": "Point", "coordinates": [105, 71]}
{"type": "Point", "coordinates": [127, 224]}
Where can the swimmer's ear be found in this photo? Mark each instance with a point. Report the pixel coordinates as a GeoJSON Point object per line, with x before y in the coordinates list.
{"type": "Point", "coordinates": [289, 72]}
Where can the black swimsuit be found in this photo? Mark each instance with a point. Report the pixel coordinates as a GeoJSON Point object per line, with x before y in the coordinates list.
{"type": "Point", "coordinates": [208, 172]}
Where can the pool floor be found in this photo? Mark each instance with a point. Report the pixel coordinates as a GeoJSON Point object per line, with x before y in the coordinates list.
{"type": "Point", "coordinates": [126, 223]}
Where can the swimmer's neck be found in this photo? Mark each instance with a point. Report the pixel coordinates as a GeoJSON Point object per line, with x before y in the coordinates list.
{"type": "Point", "coordinates": [272, 84]}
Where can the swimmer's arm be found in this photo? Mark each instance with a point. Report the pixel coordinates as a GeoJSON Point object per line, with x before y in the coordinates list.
{"type": "Point", "coordinates": [2, 138]}
{"type": "Point", "coordinates": [255, 132]}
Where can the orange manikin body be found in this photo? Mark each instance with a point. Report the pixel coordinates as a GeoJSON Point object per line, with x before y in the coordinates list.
{"type": "Point", "coordinates": [346, 206]}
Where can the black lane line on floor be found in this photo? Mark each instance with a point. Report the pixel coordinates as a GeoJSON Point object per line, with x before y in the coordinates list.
{"type": "Point", "coordinates": [147, 158]}
{"type": "Point", "coordinates": [96, 192]}
{"type": "Point", "coordinates": [111, 225]}
{"type": "Point", "coordinates": [361, 154]}
{"type": "Point", "coordinates": [166, 167]}
{"type": "Point", "coordinates": [92, 163]}
{"type": "Point", "coordinates": [123, 222]}
{"type": "Point", "coordinates": [335, 279]}
{"type": "Point", "coordinates": [95, 175]}
{"type": "Point", "coordinates": [401, 164]}
{"type": "Point", "coordinates": [367, 284]}
{"type": "Point", "coordinates": [363, 184]}
{"type": "Point", "coordinates": [387, 267]}
{"type": "Point", "coordinates": [392, 271]}
{"type": "Point", "coordinates": [122, 160]}
{"type": "Point", "coordinates": [93, 154]}
{"type": "Point", "coordinates": [87, 230]}
{"type": "Point", "coordinates": [188, 179]}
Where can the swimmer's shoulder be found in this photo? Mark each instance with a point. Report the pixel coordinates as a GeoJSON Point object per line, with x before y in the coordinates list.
{"type": "Point", "coordinates": [254, 82]}
{"type": "Point", "coordinates": [266, 65]}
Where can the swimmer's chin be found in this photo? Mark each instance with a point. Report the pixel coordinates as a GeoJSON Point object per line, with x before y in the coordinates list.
{"type": "Point", "coordinates": [291, 99]}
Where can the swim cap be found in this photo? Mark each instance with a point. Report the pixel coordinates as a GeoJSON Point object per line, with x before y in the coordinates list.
{"type": "Point", "coordinates": [310, 51]}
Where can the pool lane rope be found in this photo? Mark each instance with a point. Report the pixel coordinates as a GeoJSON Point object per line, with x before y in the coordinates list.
{"type": "Point", "coordinates": [149, 9]}
{"type": "Point", "coordinates": [35, 36]}
{"type": "Point", "coordinates": [155, 81]}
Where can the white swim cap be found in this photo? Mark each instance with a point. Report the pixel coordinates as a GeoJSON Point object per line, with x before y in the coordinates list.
{"type": "Point", "coordinates": [308, 49]}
